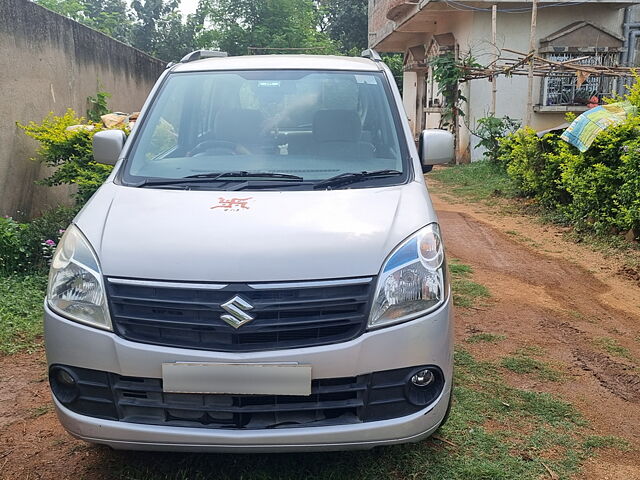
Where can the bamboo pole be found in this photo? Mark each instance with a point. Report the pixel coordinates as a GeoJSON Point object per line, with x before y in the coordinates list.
{"type": "Point", "coordinates": [532, 52]}
{"type": "Point", "coordinates": [522, 64]}
{"type": "Point", "coordinates": [494, 80]}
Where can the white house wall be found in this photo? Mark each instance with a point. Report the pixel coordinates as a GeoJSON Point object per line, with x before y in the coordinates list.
{"type": "Point", "coordinates": [513, 32]}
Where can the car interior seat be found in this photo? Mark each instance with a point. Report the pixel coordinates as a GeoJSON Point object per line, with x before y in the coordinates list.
{"type": "Point", "coordinates": [338, 133]}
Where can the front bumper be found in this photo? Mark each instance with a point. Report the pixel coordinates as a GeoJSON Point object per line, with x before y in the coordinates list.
{"type": "Point", "coordinates": [426, 340]}
{"type": "Point", "coordinates": [132, 436]}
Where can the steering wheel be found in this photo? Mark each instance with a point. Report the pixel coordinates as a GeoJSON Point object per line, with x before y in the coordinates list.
{"type": "Point", "coordinates": [217, 147]}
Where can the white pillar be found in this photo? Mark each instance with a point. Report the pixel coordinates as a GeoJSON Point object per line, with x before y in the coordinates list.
{"type": "Point", "coordinates": [421, 92]}
{"type": "Point", "coordinates": [410, 98]}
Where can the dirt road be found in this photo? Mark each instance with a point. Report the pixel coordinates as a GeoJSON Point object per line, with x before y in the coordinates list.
{"type": "Point", "coordinates": [565, 299]}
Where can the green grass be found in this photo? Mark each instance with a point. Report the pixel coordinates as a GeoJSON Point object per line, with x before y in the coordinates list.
{"type": "Point", "coordinates": [612, 347]}
{"type": "Point", "coordinates": [495, 432]}
{"type": "Point", "coordinates": [607, 441]}
{"type": "Point", "coordinates": [522, 238]}
{"type": "Point", "coordinates": [477, 181]}
{"type": "Point", "coordinates": [39, 411]}
{"type": "Point", "coordinates": [523, 364]}
{"type": "Point", "coordinates": [485, 338]}
{"type": "Point", "coordinates": [459, 270]}
{"type": "Point", "coordinates": [529, 350]}
{"type": "Point", "coordinates": [21, 312]}
{"type": "Point", "coordinates": [465, 291]}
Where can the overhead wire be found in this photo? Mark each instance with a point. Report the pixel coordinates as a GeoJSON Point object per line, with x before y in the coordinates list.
{"type": "Point", "coordinates": [462, 6]}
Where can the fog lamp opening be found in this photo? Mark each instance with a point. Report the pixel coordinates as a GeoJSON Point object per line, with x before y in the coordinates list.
{"type": "Point", "coordinates": [423, 378]}
{"type": "Point", "coordinates": [424, 385]}
{"type": "Point", "coordinates": [64, 384]}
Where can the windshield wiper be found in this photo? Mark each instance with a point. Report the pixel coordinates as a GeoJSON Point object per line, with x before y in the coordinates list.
{"type": "Point", "coordinates": [210, 177]}
{"type": "Point", "coordinates": [262, 185]}
{"type": "Point", "coordinates": [244, 174]}
{"type": "Point", "coordinates": [353, 177]}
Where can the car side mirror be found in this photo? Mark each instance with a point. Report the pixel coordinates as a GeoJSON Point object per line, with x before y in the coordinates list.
{"type": "Point", "coordinates": [107, 146]}
{"type": "Point", "coordinates": [435, 148]}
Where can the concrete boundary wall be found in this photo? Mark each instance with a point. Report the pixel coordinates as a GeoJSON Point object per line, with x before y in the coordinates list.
{"type": "Point", "coordinates": [51, 63]}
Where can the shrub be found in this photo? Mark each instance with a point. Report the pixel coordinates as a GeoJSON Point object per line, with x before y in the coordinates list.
{"type": "Point", "coordinates": [601, 183]}
{"type": "Point", "coordinates": [28, 247]}
{"type": "Point", "coordinates": [597, 190]}
{"type": "Point", "coordinates": [555, 152]}
{"type": "Point", "coordinates": [534, 164]}
{"type": "Point", "coordinates": [490, 130]}
{"type": "Point", "coordinates": [521, 150]}
{"type": "Point", "coordinates": [69, 152]}
{"type": "Point", "coordinates": [42, 234]}
{"type": "Point", "coordinates": [628, 195]}
{"type": "Point", "coordinates": [98, 106]}
{"type": "Point", "coordinates": [12, 251]}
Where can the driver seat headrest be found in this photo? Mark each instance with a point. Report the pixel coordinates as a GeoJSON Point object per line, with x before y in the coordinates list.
{"type": "Point", "coordinates": [337, 126]}
{"type": "Point", "coordinates": [238, 125]}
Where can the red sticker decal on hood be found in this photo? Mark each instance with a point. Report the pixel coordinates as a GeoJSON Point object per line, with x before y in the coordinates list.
{"type": "Point", "coordinates": [232, 204]}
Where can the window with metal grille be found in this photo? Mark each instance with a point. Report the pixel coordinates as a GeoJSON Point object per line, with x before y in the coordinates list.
{"type": "Point", "coordinates": [562, 88]}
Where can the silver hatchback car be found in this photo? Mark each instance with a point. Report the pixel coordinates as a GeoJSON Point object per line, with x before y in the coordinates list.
{"type": "Point", "coordinates": [262, 271]}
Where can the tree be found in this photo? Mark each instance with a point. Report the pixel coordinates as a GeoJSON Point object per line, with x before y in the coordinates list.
{"type": "Point", "coordinates": [347, 23]}
{"type": "Point", "coordinates": [69, 8]}
{"type": "Point", "coordinates": [154, 26]}
{"type": "Point", "coordinates": [110, 17]}
{"type": "Point", "coordinates": [159, 28]}
{"type": "Point", "coordinates": [273, 26]}
{"type": "Point", "coordinates": [395, 62]}
{"type": "Point", "coordinates": [146, 30]}
{"type": "Point", "coordinates": [267, 24]}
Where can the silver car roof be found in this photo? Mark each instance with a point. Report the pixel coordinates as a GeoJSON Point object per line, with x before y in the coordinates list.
{"type": "Point", "coordinates": [279, 62]}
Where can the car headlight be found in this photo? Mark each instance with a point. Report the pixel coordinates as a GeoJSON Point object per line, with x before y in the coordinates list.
{"type": "Point", "coordinates": [76, 289]}
{"type": "Point", "coordinates": [412, 281]}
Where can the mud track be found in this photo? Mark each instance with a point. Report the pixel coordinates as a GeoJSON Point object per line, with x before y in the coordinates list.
{"type": "Point", "coordinates": [565, 299]}
{"type": "Point", "coordinates": [559, 297]}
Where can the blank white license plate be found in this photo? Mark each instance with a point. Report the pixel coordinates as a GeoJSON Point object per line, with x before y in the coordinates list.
{"type": "Point", "coordinates": [237, 378]}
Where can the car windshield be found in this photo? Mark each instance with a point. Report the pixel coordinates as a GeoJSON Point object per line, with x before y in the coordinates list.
{"type": "Point", "coordinates": [308, 125]}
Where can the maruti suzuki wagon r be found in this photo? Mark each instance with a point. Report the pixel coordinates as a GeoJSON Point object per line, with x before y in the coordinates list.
{"type": "Point", "coordinates": [262, 271]}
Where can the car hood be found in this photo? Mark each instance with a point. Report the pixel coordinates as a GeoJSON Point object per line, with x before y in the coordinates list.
{"type": "Point", "coordinates": [246, 236]}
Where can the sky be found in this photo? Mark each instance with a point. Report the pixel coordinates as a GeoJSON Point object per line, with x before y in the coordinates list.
{"type": "Point", "coordinates": [188, 6]}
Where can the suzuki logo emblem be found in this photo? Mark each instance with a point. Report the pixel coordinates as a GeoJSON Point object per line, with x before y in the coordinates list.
{"type": "Point", "coordinates": [237, 308]}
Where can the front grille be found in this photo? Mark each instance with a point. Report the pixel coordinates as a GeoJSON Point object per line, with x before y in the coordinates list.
{"type": "Point", "coordinates": [286, 315]}
{"type": "Point", "coordinates": [336, 401]}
